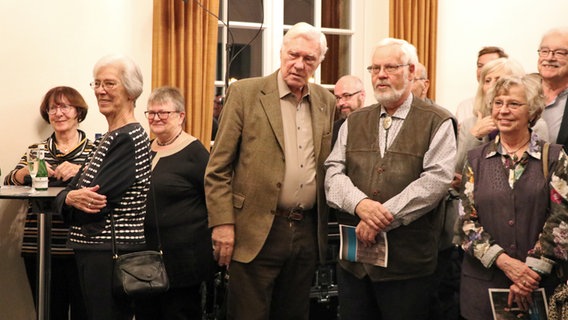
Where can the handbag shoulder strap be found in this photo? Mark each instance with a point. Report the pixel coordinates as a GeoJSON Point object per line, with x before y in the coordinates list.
{"type": "Point", "coordinates": [156, 218]}
{"type": "Point", "coordinates": [113, 236]}
{"type": "Point", "coordinates": [545, 148]}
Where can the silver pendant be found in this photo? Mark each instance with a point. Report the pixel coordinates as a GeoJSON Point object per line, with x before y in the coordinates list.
{"type": "Point", "coordinates": [387, 122]}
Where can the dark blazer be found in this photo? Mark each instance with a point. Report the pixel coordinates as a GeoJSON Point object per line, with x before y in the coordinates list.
{"type": "Point", "coordinates": [563, 133]}
{"type": "Point", "coordinates": [336, 126]}
{"type": "Point", "coordinates": [247, 164]}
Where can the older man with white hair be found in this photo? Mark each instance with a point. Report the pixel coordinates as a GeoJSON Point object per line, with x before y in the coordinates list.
{"type": "Point", "coordinates": [553, 68]}
{"type": "Point", "coordinates": [264, 183]}
{"type": "Point", "coordinates": [392, 164]}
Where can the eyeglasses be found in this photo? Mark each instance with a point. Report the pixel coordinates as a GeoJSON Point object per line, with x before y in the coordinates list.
{"type": "Point", "coordinates": [559, 53]}
{"type": "Point", "coordinates": [162, 115]}
{"type": "Point", "coordinates": [346, 96]}
{"type": "Point", "coordinates": [388, 68]}
{"type": "Point", "coordinates": [513, 105]}
{"type": "Point", "coordinates": [420, 79]}
{"type": "Point", "coordinates": [107, 84]}
{"type": "Point", "coordinates": [65, 108]}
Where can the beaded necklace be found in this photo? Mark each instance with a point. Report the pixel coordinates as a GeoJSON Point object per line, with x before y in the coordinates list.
{"type": "Point", "coordinates": [167, 143]}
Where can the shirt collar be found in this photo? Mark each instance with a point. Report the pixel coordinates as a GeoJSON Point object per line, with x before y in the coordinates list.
{"type": "Point", "coordinates": [402, 111]}
{"type": "Point", "coordinates": [534, 150]}
{"type": "Point", "coordinates": [284, 90]}
{"type": "Point", "coordinates": [561, 95]}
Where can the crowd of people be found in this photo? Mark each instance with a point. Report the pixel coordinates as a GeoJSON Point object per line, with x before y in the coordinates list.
{"type": "Point", "coordinates": [289, 156]}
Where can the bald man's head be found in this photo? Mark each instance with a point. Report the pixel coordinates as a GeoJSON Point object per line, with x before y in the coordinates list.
{"type": "Point", "coordinates": [421, 84]}
{"type": "Point", "coordinates": [349, 94]}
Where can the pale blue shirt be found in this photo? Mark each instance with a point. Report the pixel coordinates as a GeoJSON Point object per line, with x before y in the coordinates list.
{"type": "Point", "coordinates": [553, 113]}
{"type": "Point", "coordinates": [420, 196]}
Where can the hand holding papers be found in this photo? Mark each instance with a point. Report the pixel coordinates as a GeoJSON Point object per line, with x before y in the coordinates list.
{"type": "Point", "coordinates": [352, 249]}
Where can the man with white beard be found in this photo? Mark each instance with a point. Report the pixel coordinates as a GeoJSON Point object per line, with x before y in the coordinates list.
{"type": "Point", "coordinates": [553, 68]}
{"type": "Point", "coordinates": [389, 178]}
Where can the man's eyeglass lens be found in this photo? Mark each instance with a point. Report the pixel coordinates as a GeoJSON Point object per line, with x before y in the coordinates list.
{"type": "Point", "coordinates": [346, 96]}
{"type": "Point", "coordinates": [389, 68]}
{"type": "Point", "coordinates": [559, 53]}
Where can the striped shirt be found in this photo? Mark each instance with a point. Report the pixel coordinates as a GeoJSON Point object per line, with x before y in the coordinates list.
{"type": "Point", "coordinates": [121, 167]}
{"type": "Point", "coordinates": [54, 157]}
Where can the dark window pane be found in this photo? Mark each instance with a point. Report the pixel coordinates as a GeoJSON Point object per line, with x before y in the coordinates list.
{"type": "Point", "coordinates": [336, 62]}
{"type": "Point", "coordinates": [298, 10]}
{"type": "Point", "coordinates": [245, 58]}
{"type": "Point", "coordinates": [220, 49]}
{"type": "Point", "coordinates": [336, 14]}
{"type": "Point", "coordinates": [245, 10]}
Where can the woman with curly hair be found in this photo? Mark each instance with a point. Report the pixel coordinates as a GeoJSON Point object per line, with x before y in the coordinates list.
{"type": "Point", "coordinates": [506, 200]}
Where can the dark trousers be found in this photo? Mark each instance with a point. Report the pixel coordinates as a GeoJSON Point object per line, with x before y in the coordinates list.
{"type": "Point", "coordinates": [362, 299]}
{"type": "Point", "coordinates": [95, 275]}
{"type": "Point", "coordinates": [175, 304]}
{"type": "Point", "coordinates": [65, 292]}
{"type": "Point", "coordinates": [276, 284]}
{"type": "Point", "coordinates": [445, 296]}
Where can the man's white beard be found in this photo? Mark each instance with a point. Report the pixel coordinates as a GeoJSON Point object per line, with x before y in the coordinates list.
{"type": "Point", "coordinates": [389, 97]}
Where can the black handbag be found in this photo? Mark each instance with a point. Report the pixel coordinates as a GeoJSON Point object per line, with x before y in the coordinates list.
{"type": "Point", "coordinates": [139, 274]}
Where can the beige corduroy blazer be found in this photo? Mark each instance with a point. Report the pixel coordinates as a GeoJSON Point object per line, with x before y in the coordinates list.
{"type": "Point", "coordinates": [246, 167]}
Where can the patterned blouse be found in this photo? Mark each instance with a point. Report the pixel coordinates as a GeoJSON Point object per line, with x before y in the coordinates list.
{"type": "Point", "coordinates": [78, 155]}
{"type": "Point", "coordinates": [475, 240]}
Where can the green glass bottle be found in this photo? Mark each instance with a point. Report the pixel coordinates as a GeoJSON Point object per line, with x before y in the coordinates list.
{"type": "Point", "coordinates": [41, 179]}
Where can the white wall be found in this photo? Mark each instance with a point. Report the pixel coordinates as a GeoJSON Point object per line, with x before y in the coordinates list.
{"type": "Point", "coordinates": [51, 43]}
{"type": "Point", "coordinates": [464, 26]}
{"type": "Point", "coordinates": [374, 26]}
{"type": "Point", "coordinates": [46, 44]}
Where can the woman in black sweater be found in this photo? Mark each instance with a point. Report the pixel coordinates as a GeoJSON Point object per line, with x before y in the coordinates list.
{"type": "Point", "coordinates": [115, 181]}
{"type": "Point", "coordinates": [177, 196]}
